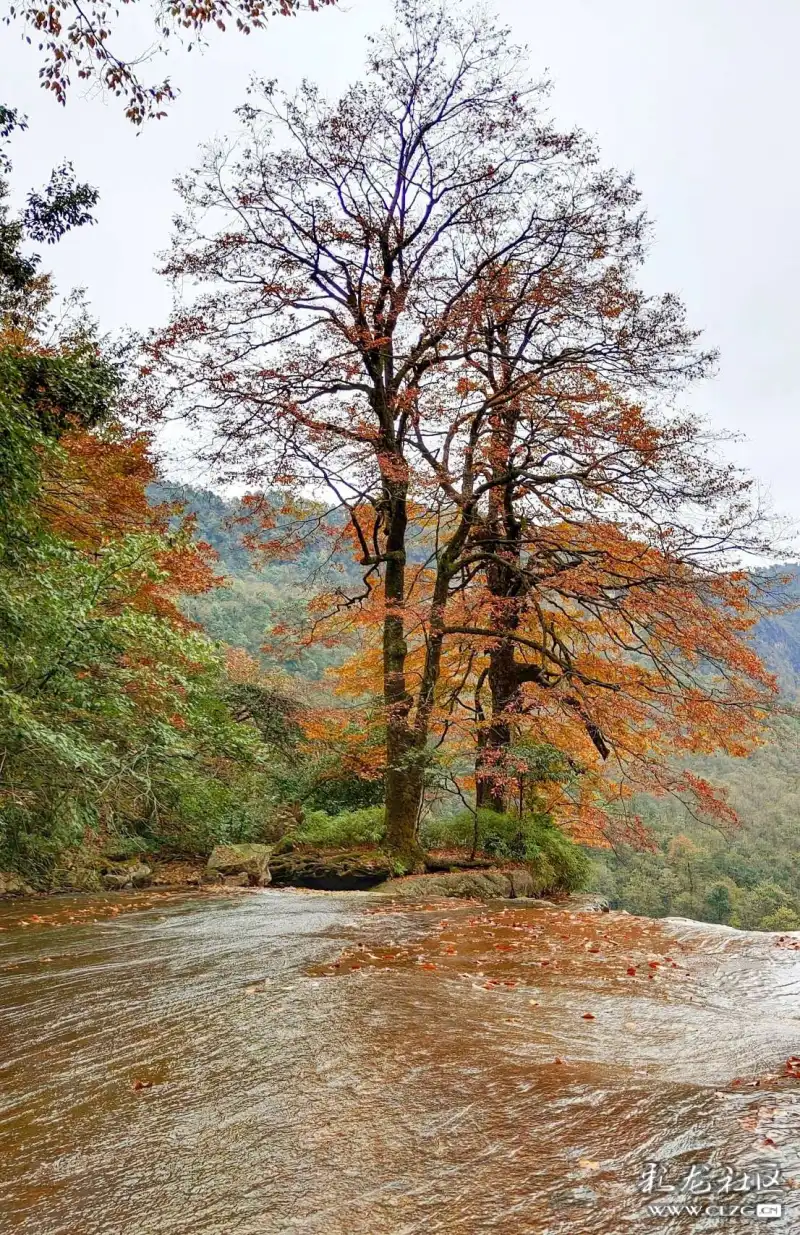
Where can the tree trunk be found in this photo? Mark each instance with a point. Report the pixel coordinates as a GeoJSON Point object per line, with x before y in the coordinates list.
{"type": "Point", "coordinates": [404, 789]}
{"type": "Point", "coordinates": [503, 538]}
{"type": "Point", "coordinates": [404, 778]}
{"type": "Point", "coordinates": [492, 773]}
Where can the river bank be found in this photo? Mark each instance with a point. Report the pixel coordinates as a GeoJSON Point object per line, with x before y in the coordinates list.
{"type": "Point", "coordinates": [336, 1064]}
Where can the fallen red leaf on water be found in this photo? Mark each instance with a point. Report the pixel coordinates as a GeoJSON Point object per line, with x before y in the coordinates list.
{"type": "Point", "coordinates": [631, 971]}
{"type": "Point", "coordinates": [653, 964]}
{"type": "Point", "coordinates": [137, 1085]}
{"type": "Point", "coordinates": [558, 1059]}
{"type": "Point", "coordinates": [428, 965]}
{"type": "Point", "coordinates": [588, 1016]}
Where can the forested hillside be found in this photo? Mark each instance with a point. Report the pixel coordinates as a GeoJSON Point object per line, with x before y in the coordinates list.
{"type": "Point", "coordinates": [748, 875]}
{"type": "Point", "coordinates": [255, 596]}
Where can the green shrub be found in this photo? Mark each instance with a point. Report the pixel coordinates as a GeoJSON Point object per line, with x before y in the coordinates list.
{"type": "Point", "coordinates": [556, 862]}
{"type": "Point", "coordinates": [31, 844]}
{"type": "Point", "coordinates": [344, 793]}
{"type": "Point", "coordinates": [198, 811]}
{"type": "Point", "coordinates": [344, 831]}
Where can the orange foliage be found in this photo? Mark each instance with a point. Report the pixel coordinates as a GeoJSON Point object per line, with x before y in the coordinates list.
{"type": "Point", "coordinates": [628, 643]}
{"type": "Point", "coordinates": [95, 492]}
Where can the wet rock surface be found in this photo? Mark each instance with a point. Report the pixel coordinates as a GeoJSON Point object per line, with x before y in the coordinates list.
{"type": "Point", "coordinates": [306, 1063]}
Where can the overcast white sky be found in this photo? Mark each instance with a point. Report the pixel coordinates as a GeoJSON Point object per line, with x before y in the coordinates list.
{"type": "Point", "coordinates": [699, 98]}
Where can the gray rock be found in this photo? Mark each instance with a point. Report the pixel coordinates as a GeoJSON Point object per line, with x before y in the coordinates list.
{"type": "Point", "coordinates": [236, 881]}
{"type": "Point", "coordinates": [249, 860]}
{"type": "Point", "coordinates": [134, 874]}
{"type": "Point", "coordinates": [13, 885]}
{"type": "Point", "coordinates": [113, 882]}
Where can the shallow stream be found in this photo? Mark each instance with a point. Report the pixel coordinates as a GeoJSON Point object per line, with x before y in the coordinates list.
{"type": "Point", "coordinates": [329, 1065]}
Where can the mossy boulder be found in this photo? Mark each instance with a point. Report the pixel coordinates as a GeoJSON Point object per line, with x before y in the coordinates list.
{"type": "Point", "coordinates": [253, 861]}
{"type": "Point", "coordinates": [467, 885]}
{"type": "Point", "coordinates": [122, 849]}
{"type": "Point", "coordinates": [334, 872]}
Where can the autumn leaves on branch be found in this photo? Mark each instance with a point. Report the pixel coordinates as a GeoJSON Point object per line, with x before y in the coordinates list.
{"type": "Point", "coordinates": [422, 301]}
{"type": "Point", "coordinates": [79, 39]}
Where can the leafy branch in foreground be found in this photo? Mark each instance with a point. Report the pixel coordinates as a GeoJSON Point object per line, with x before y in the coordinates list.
{"type": "Point", "coordinates": [79, 37]}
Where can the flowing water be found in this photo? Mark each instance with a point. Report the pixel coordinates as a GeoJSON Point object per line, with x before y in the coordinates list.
{"type": "Point", "coordinates": [324, 1064]}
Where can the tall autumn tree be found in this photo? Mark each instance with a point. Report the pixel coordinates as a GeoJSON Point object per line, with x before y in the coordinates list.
{"type": "Point", "coordinates": [593, 609]}
{"type": "Point", "coordinates": [603, 518]}
{"type": "Point", "coordinates": [345, 257]}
